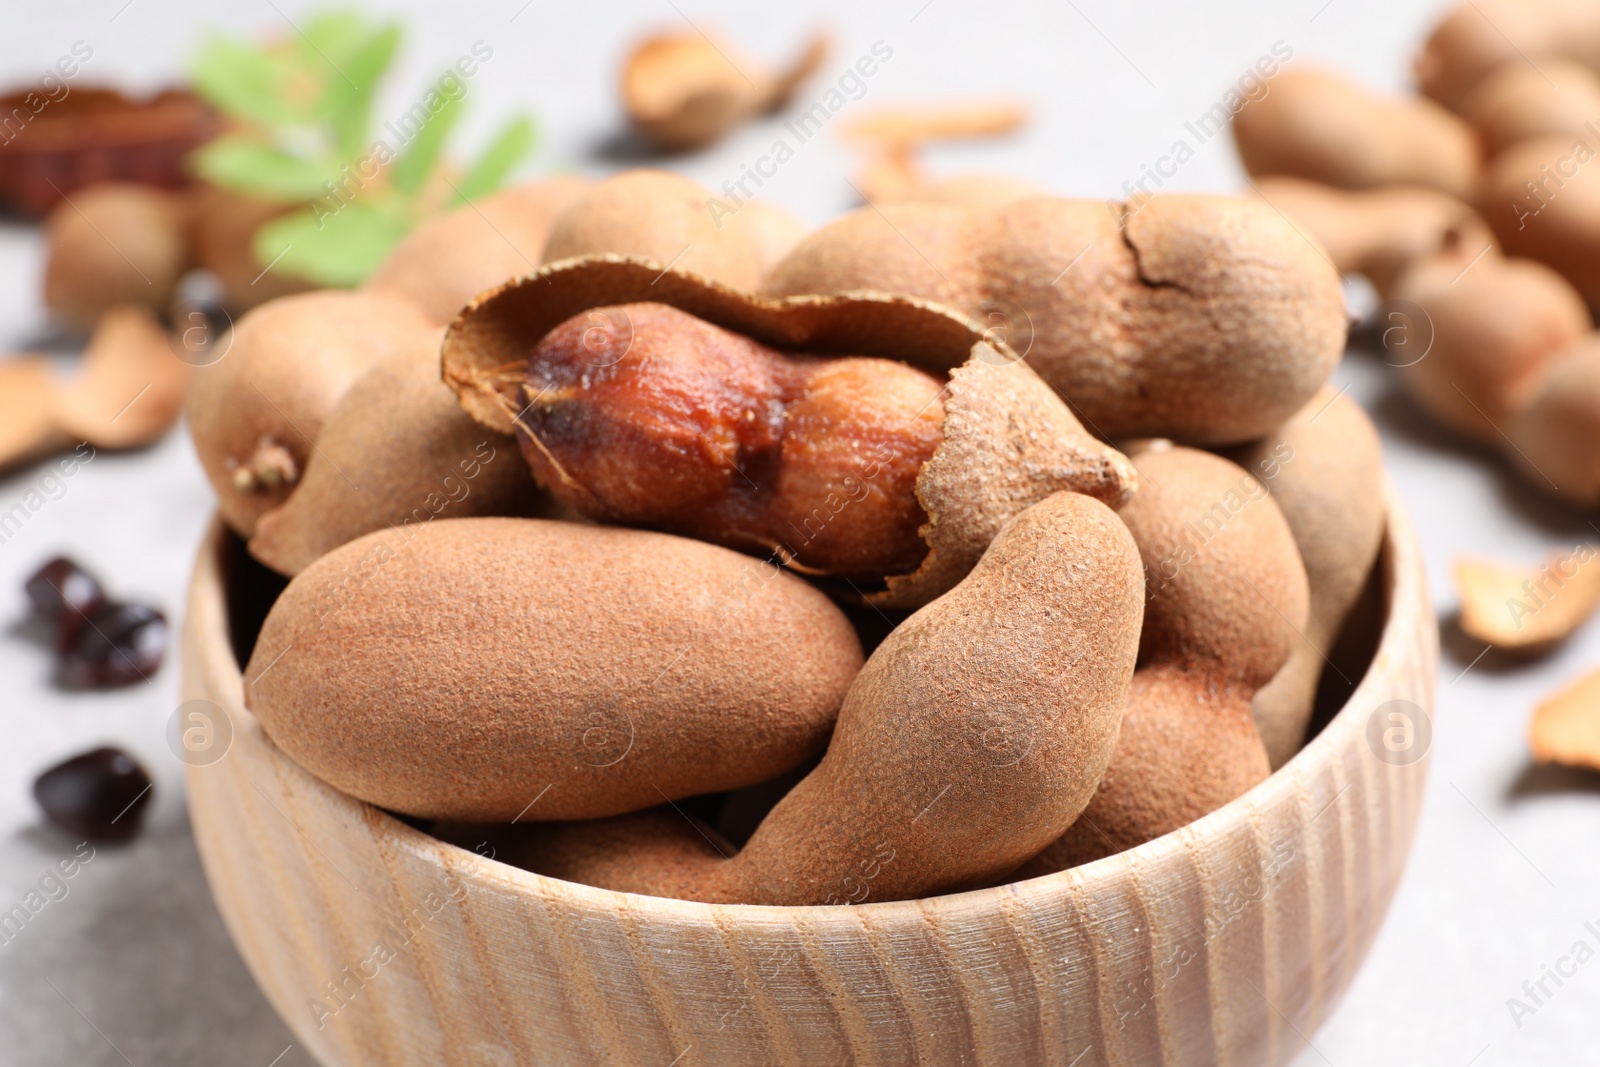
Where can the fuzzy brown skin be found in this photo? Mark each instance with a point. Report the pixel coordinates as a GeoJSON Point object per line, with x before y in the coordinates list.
{"type": "Point", "coordinates": [1522, 102]}
{"type": "Point", "coordinates": [286, 366]}
{"type": "Point", "coordinates": [1379, 233]}
{"type": "Point", "coordinates": [115, 243]}
{"type": "Point", "coordinates": [1478, 38]}
{"type": "Point", "coordinates": [1319, 125]}
{"type": "Point", "coordinates": [1557, 433]}
{"type": "Point", "coordinates": [451, 258]}
{"type": "Point", "coordinates": [769, 230]}
{"type": "Point", "coordinates": [974, 735]}
{"type": "Point", "coordinates": [1323, 468]}
{"type": "Point", "coordinates": [1227, 598]}
{"type": "Point", "coordinates": [397, 450]}
{"type": "Point", "coordinates": [459, 668]}
{"type": "Point", "coordinates": [663, 216]}
{"type": "Point", "coordinates": [973, 189]}
{"type": "Point", "coordinates": [703, 432]}
{"type": "Point", "coordinates": [1558, 222]}
{"type": "Point", "coordinates": [1208, 319]}
{"type": "Point", "coordinates": [1494, 329]}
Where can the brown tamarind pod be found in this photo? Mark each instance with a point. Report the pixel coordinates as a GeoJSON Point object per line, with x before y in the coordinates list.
{"type": "Point", "coordinates": [1557, 430]}
{"type": "Point", "coordinates": [1226, 601]}
{"type": "Point", "coordinates": [255, 413]}
{"type": "Point", "coordinates": [396, 451]}
{"type": "Point", "coordinates": [1477, 38]}
{"type": "Point", "coordinates": [973, 735]}
{"type": "Point", "coordinates": [493, 668]}
{"type": "Point", "coordinates": [1322, 468]}
{"type": "Point", "coordinates": [1524, 102]}
{"type": "Point", "coordinates": [1492, 326]}
{"type": "Point", "coordinates": [114, 243]}
{"type": "Point", "coordinates": [665, 217]}
{"type": "Point", "coordinates": [1542, 198]}
{"type": "Point", "coordinates": [449, 259]}
{"type": "Point", "coordinates": [1318, 124]}
{"type": "Point", "coordinates": [1379, 233]}
{"type": "Point", "coordinates": [691, 412]}
{"type": "Point", "coordinates": [1208, 319]}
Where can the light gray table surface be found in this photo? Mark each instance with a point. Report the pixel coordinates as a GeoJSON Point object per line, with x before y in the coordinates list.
{"type": "Point", "coordinates": [133, 966]}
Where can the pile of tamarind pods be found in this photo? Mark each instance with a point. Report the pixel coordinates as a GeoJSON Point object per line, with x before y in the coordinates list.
{"type": "Point", "coordinates": [984, 534]}
{"type": "Point", "coordinates": [1474, 210]}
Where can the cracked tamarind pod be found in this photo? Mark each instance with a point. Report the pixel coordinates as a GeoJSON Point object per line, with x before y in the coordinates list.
{"type": "Point", "coordinates": [648, 395]}
{"type": "Point", "coordinates": [464, 668]}
{"type": "Point", "coordinates": [699, 431]}
{"type": "Point", "coordinates": [256, 412]}
{"type": "Point", "coordinates": [819, 462]}
{"type": "Point", "coordinates": [1203, 318]}
{"type": "Point", "coordinates": [973, 735]}
{"type": "Point", "coordinates": [1226, 599]}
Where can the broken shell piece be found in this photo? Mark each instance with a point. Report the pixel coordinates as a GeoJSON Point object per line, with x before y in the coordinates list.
{"type": "Point", "coordinates": [27, 424]}
{"type": "Point", "coordinates": [1522, 610]}
{"type": "Point", "coordinates": [946, 122]}
{"type": "Point", "coordinates": [130, 388]}
{"type": "Point", "coordinates": [1566, 727]}
{"type": "Point", "coordinates": [683, 91]}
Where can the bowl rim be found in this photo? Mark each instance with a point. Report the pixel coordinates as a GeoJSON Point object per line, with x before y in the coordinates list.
{"type": "Point", "coordinates": [1403, 586]}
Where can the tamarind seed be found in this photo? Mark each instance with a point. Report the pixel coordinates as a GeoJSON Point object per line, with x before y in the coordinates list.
{"type": "Point", "coordinates": [100, 794]}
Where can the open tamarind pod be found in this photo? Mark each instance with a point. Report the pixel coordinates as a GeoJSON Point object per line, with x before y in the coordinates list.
{"type": "Point", "coordinates": [972, 737]}
{"type": "Point", "coordinates": [972, 189]}
{"type": "Point", "coordinates": [451, 258]}
{"type": "Point", "coordinates": [1204, 318]}
{"type": "Point", "coordinates": [255, 413]}
{"type": "Point", "coordinates": [1557, 430]}
{"type": "Point", "coordinates": [1226, 598]}
{"type": "Point", "coordinates": [1542, 198]}
{"type": "Point", "coordinates": [396, 451]}
{"type": "Point", "coordinates": [648, 396]}
{"type": "Point", "coordinates": [1494, 326]}
{"type": "Point", "coordinates": [466, 668]}
{"type": "Point", "coordinates": [1320, 125]}
{"type": "Point", "coordinates": [661, 216]}
{"type": "Point", "coordinates": [1320, 468]}
{"type": "Point", "coordinates": [1479, 37]}
{"type": "Point", "coordinates": [1379, 232]}
{"type": "Point", "coordinates": [1524, 102]}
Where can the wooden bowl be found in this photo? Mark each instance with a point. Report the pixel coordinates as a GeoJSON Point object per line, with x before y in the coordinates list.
{"type": "Point", "coordinates": [1228, 941]}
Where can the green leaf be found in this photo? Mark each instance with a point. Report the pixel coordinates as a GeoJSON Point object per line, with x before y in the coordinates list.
{"type": "Point", "coordinates": [347, 104]}
{"type": "Point", "coordinates": [416, 162]}
{"type": "Point", "coordinates": [497, 162]}
{"type": "Point", "coordinates": [337, 249]}
{"type": "Point", "coordinates": [241, 82]}
{"type": "Point", "coordinates": [247, 165]}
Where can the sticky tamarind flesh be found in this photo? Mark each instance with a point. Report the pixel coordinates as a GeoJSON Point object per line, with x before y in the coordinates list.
{"type": "Point", "coordinates": [644, 415]}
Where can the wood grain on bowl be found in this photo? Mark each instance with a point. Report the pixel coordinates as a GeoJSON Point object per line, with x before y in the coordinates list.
{"type": "Point", "coordinates": [1228, 941]}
